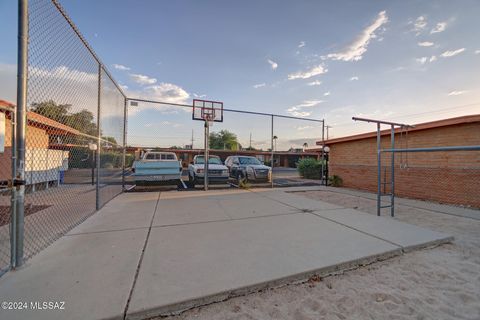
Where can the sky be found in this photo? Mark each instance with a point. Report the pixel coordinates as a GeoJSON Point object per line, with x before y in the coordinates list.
{"type": "Point", "coordinates": [404, 61]}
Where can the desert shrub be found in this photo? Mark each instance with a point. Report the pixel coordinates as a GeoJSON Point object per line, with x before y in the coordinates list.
{"type": "Point", "coordinates": [335, 181]}
{"type": "Point", "coordinates": [309, 168]}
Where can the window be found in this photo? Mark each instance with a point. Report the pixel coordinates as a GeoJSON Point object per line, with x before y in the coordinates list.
{"type": "Point", "coordinates": [150, 156]}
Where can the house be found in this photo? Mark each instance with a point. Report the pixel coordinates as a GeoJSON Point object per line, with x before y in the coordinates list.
{"type": "Point", "coordinates": [43, 163]}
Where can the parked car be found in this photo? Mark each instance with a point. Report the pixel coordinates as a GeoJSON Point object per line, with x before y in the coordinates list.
{"type": "Point", "coordinates": [248, 168]}
{"type": "Point", "coordinates": [157, 167]}
{"type": "Point", "coordinates": [217, 172]}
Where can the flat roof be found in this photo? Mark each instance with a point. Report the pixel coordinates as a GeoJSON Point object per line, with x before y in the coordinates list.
{"type": "Point", "coordinates": [418, 127]}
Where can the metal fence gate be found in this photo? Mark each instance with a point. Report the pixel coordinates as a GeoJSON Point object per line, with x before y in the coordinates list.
{"type": "Point", "coordinates": [65, 138]}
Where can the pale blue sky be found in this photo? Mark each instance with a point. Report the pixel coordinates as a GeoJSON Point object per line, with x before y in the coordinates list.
{"type": "Point", "coordinates": [410, 61]}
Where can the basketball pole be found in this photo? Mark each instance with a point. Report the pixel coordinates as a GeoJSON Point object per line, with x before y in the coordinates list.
{"type": "Point", "coordinates": [271, 158]}
{"type": "Point", "coordinates": [205, 167]}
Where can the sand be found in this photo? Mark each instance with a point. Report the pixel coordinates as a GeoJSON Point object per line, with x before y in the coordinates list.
{"type": "Point", "coordinates": [438, 283]}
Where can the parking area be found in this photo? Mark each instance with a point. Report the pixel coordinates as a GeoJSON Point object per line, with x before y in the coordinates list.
{"type": "Point", "coordinates": [156, 253]}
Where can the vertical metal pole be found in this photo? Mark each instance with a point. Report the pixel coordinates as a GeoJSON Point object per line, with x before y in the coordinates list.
{"type": "Point", "coordinates": [124, 145]}
{"type": "Point", "coordinates": [379, 171]}
{"type": "Point", "coordinates": [206, 156]}
{"type": "Point", "coordinates": [99, 140]}
{"type": "Point", "coordinates": [323, 154]}
{"type": "Point", "coordinates": [392, 177]}
{"type": "Point", "coordinates": [18, 212]}
{"type": "Point", "coordinates": [271, 157]}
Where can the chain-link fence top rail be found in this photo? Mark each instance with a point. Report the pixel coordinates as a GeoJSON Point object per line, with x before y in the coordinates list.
{"type": "Point", "coordinates": [75, 114]}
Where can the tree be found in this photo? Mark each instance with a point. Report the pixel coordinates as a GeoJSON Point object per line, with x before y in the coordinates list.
{"type": "Point", "coordinates": [224, 140]}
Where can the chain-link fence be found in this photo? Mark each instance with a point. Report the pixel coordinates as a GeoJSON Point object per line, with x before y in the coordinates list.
{"type": "Point", "coordinates": [158, 126]}
{"type": "Point", "coordinates": [74, 134]}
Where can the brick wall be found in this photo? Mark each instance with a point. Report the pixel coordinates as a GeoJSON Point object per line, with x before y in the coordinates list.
{"type": "Point", "coordinates": [446, 177]}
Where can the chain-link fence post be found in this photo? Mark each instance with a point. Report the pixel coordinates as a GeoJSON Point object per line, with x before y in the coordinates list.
{"type": "Point", "coordinates": [18, 179]}
{"type": "Point", "coordinates": [99, 141]}
{"type": "Point", "coordinates": [271, 158]}
{"type": "Point", "coordinates": [322, 177]}
{"type": "Point", "coordinates": [124, 143]}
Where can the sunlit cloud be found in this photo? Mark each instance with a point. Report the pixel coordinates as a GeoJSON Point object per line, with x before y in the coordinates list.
{"type": "Point", "coordinates": [419, 25]}
{"type": "Point", "coordinates": [120, 67]}
{"type": "Point", "coordinates": [259, 85]}
{"type": "Point", "coordinates": [302, 44]}
{"type": "Point", "coordinates": [354, 78]}
{"type": "Point", "coordinates": [304, 109]}
{"type": "Point", "coordinates": [457, 92]}
{"type": "Point", "coordinates": [142, 79]}
{"type": "Point", "coordinates": [426, 44]}
{"type": "Point", "coordinates": [452, 53]}
{"type": "Point", "coordinates": [326, 93]}
{"type": "Point", "coordinates": [317, 70]}
{"type": "Point", "coordinates": [314, 83]}
{"type": "Point", "coordinates": [273, 64]}
{"type": "Point", "coordinates": [440, 27]}
{"type": "Point", "coordinates": [355, 50]}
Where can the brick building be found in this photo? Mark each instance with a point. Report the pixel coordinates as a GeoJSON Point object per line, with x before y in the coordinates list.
{"type": "Point", "coordinates": [446, 177]}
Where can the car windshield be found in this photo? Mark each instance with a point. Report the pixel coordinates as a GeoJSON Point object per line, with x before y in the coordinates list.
{"type": "Point", "coordinates": [211, 160]}
{"type": "Point", "coordinates": [249, 160]}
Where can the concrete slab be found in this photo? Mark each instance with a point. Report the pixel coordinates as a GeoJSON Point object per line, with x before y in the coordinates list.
{"type": "Point", "coordinates": [92, 273]}
{"type": "Point", "coordinates": [205, 207]}
{"type": "Point", "coordinates": [194, 264]}
{"type": "Point", "coordinates": [407, 236]}
{"type": "Point", "coordinates": [296, 201]}
{"type": "Point", "coordinates": [128, 211]}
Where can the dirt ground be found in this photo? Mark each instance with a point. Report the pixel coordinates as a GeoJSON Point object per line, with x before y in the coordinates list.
{"type": "Point", "coordinates": [438, 283]}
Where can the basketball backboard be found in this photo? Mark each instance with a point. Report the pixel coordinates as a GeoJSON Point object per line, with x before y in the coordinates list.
{"type": "Point", "coordinates": [205, 110]}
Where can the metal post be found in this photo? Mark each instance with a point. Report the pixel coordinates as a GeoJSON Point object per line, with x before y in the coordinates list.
{"type": "Point", "coordinates": [206, 156]}
{"type": "Point", "coordinates": [379, 171]}
{"type": "Point", "coordinates": [392, 174]}
{"type": "Point", "coordinates": [271, 157]}
{"type": "Point", "coordinates": [18, 199]}
{"type": "Point", "coordinates": [124, 145]}
{"type": "Point", "coordinates": [323, 155]}
{"type": "Point", "coordinates": [99, 133]}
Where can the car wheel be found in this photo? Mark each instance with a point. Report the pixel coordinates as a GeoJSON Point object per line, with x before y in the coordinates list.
{"type": "Point", "coordinates": [240, 177]}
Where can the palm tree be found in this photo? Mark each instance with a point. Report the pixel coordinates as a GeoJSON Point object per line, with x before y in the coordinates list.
{"type": "Point", "coordinates": [305, 146]}
{"type": "Point", "coordinates": [275, 139]}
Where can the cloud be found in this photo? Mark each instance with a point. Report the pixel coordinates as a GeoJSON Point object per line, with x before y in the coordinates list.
{"type": "Point", "coordinates": [299, 110]}
{"type": "Point", "coordinates": [301, 128]}
{"type": "Point", "coordinates": [171, 124]}
{"type": "Point", "coordinates": [421, 60]}
{"type": "Point", "coordinates": [440, 27]}
{"type": "Point", "coordinates": [148, 125]}
{"type": "Point", "coordinates": [432, 58]}
{"type": "Point", "coordinates": [302, 44]}
{"type": "Point", "coordinates": [426, 44]}
{"type": "Point", "coordinates": [477, 51]}
{"type": "Point", "coordinates": [315, 83]}
{"type": "Point", "coordinates": [142, 79]}
{"type": "Point", "coordinates": [457, 92]}
{"type": "Point", "coordinates": [259, 85]}
{"type": "Point", "coordinates": [355, 50]}
{"type": "Point", "coordinates": [326, 93]}
{"type": "Point", "coordinates": [448, 54]}
{"type": "Point", "coordinates": [320, 69]}
{"type": "Point", "coordinates": [419, 24]}
{"type": "Point", "coordinates": [167, 92]}
{"type": "Point", "coordinates": [354, 78]}
{"type": "Point", "coordinates": [200, 96]}
{"type": "Point", "coordinates": [273, 64]}
{"type": "Point", "coordinates": [120, 67]}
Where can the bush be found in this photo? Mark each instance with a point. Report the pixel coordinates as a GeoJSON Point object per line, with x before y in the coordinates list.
{"type": "Point", "coordinates": [309, 168]}
{"type": "Point", "coordinates": [335, 181]}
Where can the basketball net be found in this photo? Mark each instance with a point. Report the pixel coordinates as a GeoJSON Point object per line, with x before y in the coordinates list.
{"type": "Point", "coordinates": [209, 119]}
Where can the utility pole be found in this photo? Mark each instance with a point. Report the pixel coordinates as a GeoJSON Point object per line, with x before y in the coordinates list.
{"type": "Point", "coordinates": [250, 147]}
{"type": "Point", "coordinates": [192, 139]}
{"type": "Point", "coordinates": [327, 127]}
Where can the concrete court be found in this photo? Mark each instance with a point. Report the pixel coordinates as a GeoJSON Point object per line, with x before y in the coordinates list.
{"type": "Point", "coordinates": [152, 253]}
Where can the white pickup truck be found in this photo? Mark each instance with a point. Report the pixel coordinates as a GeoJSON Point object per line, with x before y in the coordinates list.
{"type": "Point", "coordinates": [217, 172]}
{"type": "Point", "coordinates": [157, 167]}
